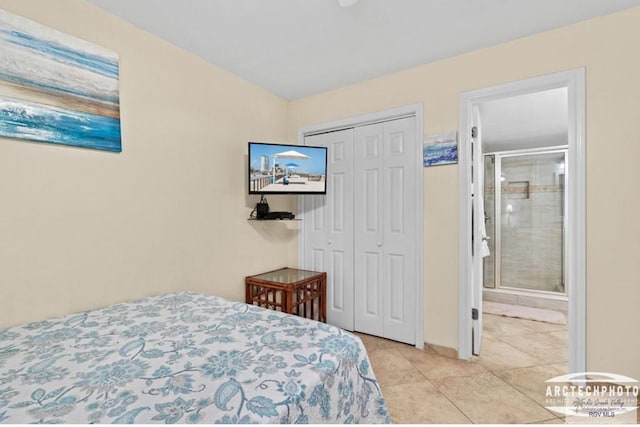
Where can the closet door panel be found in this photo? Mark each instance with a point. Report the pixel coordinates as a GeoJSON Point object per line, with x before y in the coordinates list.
{"type": "Point", "coordinates": [399, 229]}
{"type": "Point", "coordinates": [328, 225]}
{"type": "Point", "coordinates": [368, 228]}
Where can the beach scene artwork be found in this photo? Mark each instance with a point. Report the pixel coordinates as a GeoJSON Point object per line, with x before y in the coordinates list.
{"type": "Point", "coordinates": [440, 149]}
{"type": "Point", "coordinates": [57, 88]}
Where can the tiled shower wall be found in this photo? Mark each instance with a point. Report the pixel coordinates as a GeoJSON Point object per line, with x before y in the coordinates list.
{"type": "Point", "coordinates": [532, 212]}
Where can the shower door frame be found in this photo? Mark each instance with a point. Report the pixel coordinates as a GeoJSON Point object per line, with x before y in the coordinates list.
{"type": "Point", "coordinates": [497, 247]}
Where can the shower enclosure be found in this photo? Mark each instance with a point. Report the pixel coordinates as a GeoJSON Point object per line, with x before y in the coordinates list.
{"type": "Point", "coordinates": [525, 205]}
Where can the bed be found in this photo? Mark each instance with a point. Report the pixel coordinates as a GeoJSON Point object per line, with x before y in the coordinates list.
{"type": "Point", "coordinates": [185, 358]}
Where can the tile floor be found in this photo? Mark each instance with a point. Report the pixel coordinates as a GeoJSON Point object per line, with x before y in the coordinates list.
{"type": "Point", "coordinates": [503, 385]}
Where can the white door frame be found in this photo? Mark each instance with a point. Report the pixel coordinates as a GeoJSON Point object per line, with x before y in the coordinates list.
{"type": "Point", "coordinates": [375, 117]}
{"type": "Point", "coordinates": [574, 81]}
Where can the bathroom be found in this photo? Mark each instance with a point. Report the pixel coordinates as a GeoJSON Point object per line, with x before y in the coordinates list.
{"type": "Point", "coordinates": [525, 175]}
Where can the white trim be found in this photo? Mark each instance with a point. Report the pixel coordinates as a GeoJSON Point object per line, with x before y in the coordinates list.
{"type": "Point", "coordinates": [574, 81]}
{"type": "Point", "coordinates": [578, 228]}
{"type": "Point", "coordinates": [375, 117]}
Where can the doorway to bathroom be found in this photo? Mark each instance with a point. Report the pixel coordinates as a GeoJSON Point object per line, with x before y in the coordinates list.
{"type": "Point", "coordinates": [522, 217]}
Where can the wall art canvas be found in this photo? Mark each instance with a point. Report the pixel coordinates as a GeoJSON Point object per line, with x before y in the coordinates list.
{"type": "Point", "coordinates": [57, 88]}
{"type": "Point", "coordinates": [440, 149]}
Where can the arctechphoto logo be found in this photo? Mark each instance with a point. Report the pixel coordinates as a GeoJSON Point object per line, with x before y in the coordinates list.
{"type": "Point", "coordinates": [593, 398]}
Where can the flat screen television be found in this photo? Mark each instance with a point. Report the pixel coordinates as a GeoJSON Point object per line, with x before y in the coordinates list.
{"type": "Point", "coordinates": [287, 169]}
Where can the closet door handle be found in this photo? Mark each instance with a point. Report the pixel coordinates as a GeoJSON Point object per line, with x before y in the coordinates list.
{"type": "Point", "coordinates": [379, 244]}
{"type": "Point", "coordinates": [330, 242]}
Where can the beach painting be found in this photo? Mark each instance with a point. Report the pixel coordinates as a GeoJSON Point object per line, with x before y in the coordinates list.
{"type": "Point", "coordinates": [440, 149]}
{"type": "Point", "coordinates": [57, 88]}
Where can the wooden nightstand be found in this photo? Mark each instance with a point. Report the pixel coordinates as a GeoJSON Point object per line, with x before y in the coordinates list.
{"type": "Point", "coordinates": [293, 291]}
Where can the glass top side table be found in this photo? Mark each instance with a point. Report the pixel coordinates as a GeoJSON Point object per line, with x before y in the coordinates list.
{"type": "Point", "coordinates": [290, 290]}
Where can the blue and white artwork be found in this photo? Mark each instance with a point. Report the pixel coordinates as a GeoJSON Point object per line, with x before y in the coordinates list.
{"type": "Point", "coordinates": [440, 149]}
{"type": "Point", "coordinates": [57, 88]}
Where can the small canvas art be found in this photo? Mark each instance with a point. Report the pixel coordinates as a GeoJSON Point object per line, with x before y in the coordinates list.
{"type": "Point", "coordinates": [57, 88]}
{"type": "Point", "coordinates": [440, 149]}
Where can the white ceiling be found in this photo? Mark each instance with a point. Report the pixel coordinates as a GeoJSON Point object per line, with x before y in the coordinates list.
{"type": "Point", "coordinates": [533, 120]}
{"type": "Point", "coordinates": [296, 48]}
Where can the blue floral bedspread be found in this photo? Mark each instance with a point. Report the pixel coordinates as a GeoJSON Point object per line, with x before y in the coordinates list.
{"type": "Point", "coordinates": [185, 358]}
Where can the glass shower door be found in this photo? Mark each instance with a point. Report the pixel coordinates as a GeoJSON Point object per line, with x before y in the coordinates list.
{"type": "Point", "coordinates": [524, 201]}
{"type": "Point", "coordinates": [532, 221]}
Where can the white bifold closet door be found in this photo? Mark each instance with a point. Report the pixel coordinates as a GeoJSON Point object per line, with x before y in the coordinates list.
{"type": "Point", "coordinates": [384, 230]}
{"type": "Point", "coordinates": [363, 232]}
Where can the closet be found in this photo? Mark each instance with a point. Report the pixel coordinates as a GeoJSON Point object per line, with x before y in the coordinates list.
{"type": "Point", "coordinates": [363, 232]}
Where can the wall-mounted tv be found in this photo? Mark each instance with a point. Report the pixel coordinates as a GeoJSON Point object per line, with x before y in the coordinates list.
{"type": "Point", "coordinates": [287, 169]}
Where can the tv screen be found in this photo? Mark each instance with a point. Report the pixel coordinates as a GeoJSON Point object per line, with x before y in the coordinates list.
{"type": "Point", "coordinates": [287, 169]}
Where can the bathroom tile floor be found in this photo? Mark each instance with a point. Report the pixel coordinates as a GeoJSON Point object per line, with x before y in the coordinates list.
{"type": "Point", "coordinates": [505, 384]}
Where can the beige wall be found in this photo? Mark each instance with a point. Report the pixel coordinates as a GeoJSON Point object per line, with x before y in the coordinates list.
{"type": "Point", "coordinates": [607, 48]}
{"type": "Point", "coordinates": [83, 228]}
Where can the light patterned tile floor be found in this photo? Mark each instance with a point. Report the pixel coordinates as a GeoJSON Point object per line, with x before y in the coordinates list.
{"type": "Point", "coordinates": [503, 385]}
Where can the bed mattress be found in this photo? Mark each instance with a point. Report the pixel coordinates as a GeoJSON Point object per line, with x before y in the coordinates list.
{"type": "Point", "coordinates": [185, 358]}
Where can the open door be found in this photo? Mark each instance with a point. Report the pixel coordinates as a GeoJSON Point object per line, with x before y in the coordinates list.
{"type": "Point", "coordinates": [478, 236]}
